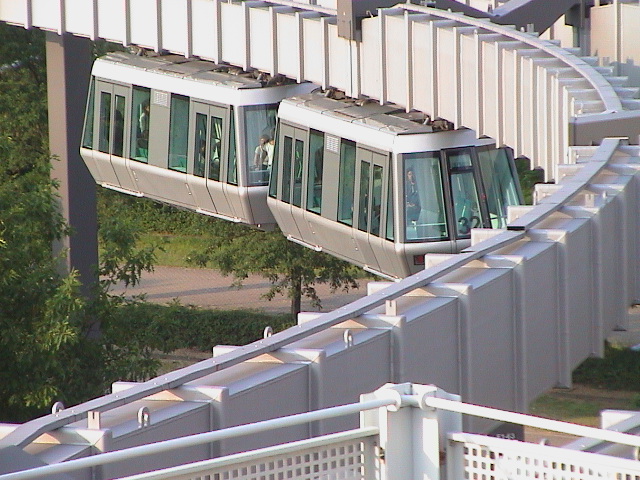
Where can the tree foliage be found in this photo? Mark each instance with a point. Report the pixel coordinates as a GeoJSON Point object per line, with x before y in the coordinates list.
{"type": "Point", "coordinates": [46, 354]}
{"type": "Point", "coordinates": [292, 270]}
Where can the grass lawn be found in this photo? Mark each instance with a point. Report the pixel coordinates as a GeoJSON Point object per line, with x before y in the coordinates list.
{"type": "Point", "coordinates": [176, 248]}
{"type": "Point", "coordinates": [582, 404]}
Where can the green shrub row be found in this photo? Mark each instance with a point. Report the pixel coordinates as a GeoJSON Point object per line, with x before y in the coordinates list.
{"type": "Point", "coordinates": [150, 216]}
{"type": "Point", "coordinates": [176, 326]}
{"type": "Point", "coordinates": [618, 370]}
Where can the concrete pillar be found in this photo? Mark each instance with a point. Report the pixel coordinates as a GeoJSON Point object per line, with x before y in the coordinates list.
{"type": "Point", "coordinates": [68, 70]}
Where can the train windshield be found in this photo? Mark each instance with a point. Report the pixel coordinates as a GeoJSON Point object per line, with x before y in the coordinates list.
{"type": "Point", "coordinates": [499, 182]}
{"type": "Point", "coordinates": [464, 193]}
{"type": "Point", "coordinates": [425, 214]}
{"type": "Point", "coordinates": [259, 134]}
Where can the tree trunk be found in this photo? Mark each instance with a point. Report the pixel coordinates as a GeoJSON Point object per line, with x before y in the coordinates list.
{"type": "Point", "coordinates": [296, 297]}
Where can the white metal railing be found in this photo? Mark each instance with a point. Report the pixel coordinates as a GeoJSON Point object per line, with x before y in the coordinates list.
{"type": "Point", "coordinates": [342, 455]}
{"type": "Point", "coordinates": [476, 456]}
{"type": "Point", "coordinates": [130, 454]}
{"type": "Point", "coordinates": [404, 434]}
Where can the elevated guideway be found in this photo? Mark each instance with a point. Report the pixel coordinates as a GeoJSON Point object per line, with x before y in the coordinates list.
{"type": "Point", "coordinates": [523, 91]}
{"type": "Point", "coordinates": [498, 324]}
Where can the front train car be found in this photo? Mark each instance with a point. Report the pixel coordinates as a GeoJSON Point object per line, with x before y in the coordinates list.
{"type": "Point", "coordinates": [184, 132]}
{"type": "Point", "coordinates": [380, 187]}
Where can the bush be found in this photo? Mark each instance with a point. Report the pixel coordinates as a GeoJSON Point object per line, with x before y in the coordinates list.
{"type": "Point", "coordinates": [176, 326]}
{"type": "Point", "coordinates": [618, 370]}
{"type": "Point", "coordinates": [150, 216]}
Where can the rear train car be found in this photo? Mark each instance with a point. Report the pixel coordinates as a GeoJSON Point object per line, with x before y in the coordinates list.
{"type": "Point", "coordinates": [184, 132]}
{"type": "Point", "coordinates": [380, 187]}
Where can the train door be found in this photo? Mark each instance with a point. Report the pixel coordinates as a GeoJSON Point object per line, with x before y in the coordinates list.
{"type": "Point", "coordinates": [366, 208]}
{"type": "Point", "coordinates": [380, 225]}
{"type": "Point", "coordinates": [113, 131]}
{"type": "Point", "coordinates": [175, 187]}
{"type": "Point", "coordinates": [290, 162]}
{"type": "Point", "coordinates": [206, 146]}
{"type": "Point", "coordinates": [231, 172]}
{"type": "Point", "coordinates": [313, 188]}
{"type": "Point", "coordinates": [118, 127]}
{"type": "Point", "coordinates": [146, 126]}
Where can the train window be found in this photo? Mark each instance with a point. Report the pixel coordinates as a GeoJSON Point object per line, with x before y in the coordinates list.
{"type": "Point", "coordinates": [286, 168]}
{"type": "Point", "coordinates": [296, 174]}
{"type": "Point", "coordinates": [376, 200]}
{"type": "Point", "coordinates": [425, 217]}
{"type": "Point", "coordinates": [215, 148]}
{"type": "Point", "coordinates": [499, 183]}
{"type": "Point", "coordinates": [140, 118]}
{"type": "Point", "coordinates": [464, 194]}
{"type": "Point", "coordinates": [260, 130]}
{"type": "Point", "coordinates": [363, 206]}
{"type": "Point", "coordinates": [200, 146]}
{"type": "Point", "coordinates": [87, 137]}
{"type": "Point", "coordinates": [346, 182]}
{"type": "Point", "coordinates": [118, 128]}
{"type": "Point", "coordinates": [104, 128]}
{"type": "Point", "coordinates": [232, 166]}
{"type": "Point", "coordinates": [177, 138]}
{"type": "Point", "coordinates": [314, 175]}
{"type": "Point", "coordinates": [389, 232]}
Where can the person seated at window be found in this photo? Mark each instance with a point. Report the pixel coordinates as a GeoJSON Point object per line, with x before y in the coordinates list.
{"type": "Point", "coordinates": [412, 197]}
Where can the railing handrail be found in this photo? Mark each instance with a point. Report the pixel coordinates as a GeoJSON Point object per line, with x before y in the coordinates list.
{"type": "Point", "coordinates": [386, 397]}
{"type": "Point", "coordinates": [228, 460]}
{"type": "Point", "coordinates": [532, 421]}
{"type": "Point", "coordinates": [205, 438]}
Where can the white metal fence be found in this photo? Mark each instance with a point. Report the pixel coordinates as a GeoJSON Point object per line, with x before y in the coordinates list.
{"type": "Point", "coordinates": [347, 455]}
{"type": "Point", "coordinates": [407, 432]}
{"type": "Point", "coordinates": [481, 457]}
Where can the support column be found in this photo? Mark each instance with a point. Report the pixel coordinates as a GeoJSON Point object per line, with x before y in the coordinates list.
{"type": "Point", "coordinates": [68, 72]}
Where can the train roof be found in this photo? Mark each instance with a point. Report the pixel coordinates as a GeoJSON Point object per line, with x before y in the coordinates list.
{"type": "Point", "coordinates": [391, 119]}
{"type": "Point", "coordinates": [188, 68]}
{"type": "Point", "coordinates": [198, 79]}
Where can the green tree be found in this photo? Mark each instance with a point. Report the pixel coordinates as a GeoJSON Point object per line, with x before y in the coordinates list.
{"type": "Point", "coordinates": [292, 270]}
{"type": "Point", "coordinates": [39, 309]}
{"type": "Point", "coordinates": [45, 352]}
{"type": "Point", "coordinates": [528, 178]}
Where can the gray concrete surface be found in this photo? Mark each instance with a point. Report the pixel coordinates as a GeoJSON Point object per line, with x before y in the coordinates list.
{"type": "Point", "coordinates": [631, 336]}
{"type": "Point", "coordinates": [209, 289]}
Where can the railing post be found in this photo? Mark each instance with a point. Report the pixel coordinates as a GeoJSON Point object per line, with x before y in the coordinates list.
{"type": "Point", "coordinates": [411, 434]}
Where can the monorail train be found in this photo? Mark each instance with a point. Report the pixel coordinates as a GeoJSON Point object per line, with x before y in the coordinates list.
{"type": "Point", "coordinates": [380, 187]}
{"type": "Point", "coordinates": [181, 131]}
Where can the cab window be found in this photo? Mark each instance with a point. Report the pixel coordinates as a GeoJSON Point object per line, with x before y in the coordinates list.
{"type": "Point", "coordinates": [424, 208]}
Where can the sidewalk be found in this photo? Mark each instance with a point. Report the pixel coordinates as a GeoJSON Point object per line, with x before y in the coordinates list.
{"type": "Point", "coordinates": [209, 289]}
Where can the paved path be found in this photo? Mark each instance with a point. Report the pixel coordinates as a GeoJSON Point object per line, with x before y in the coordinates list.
{"type": "Point", "coordinates": [209, 289]}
